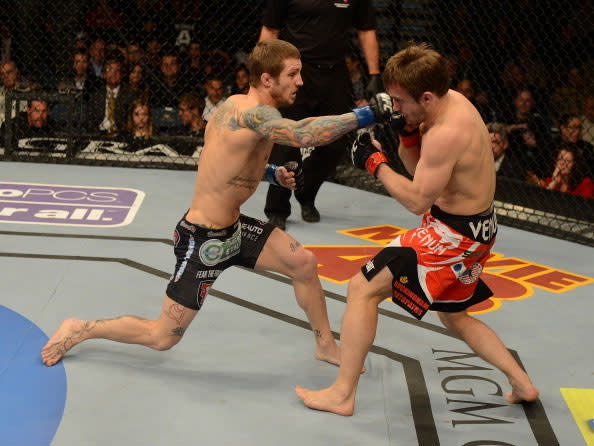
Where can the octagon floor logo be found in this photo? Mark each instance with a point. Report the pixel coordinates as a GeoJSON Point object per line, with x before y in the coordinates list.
{"type": "Point", "coordinates": [33, 395]}
{"type": "Point", "coordinates": [510, 278]}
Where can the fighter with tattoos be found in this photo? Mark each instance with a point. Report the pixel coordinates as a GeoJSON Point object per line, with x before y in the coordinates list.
{"type": "Point", "coordinates": [213, 235]}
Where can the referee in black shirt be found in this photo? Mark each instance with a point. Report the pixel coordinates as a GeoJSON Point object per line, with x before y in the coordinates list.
{"type": "Point", "coordinates": [320, 29]}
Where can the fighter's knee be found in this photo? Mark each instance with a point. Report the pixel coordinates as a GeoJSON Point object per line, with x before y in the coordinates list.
{"type": "Point", "coordinates": [305, 264]}
{"type": "Point", "coordinates": [356, 286]}
{"type": "Point", "coordinates": [164, 343]}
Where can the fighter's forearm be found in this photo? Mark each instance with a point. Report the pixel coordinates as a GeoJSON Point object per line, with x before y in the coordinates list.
{"type": "Point", "coordinates": [317, 131]}
{"type": "Point", "coordinates": [403, 190]}
{"type": "Point", "coordinates": [409, 157]}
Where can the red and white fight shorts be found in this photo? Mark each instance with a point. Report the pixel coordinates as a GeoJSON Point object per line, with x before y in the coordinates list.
{"type": "Point", "coordinates": [437, 266]}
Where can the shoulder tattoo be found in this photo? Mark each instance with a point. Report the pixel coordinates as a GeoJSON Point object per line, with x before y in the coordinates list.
{"type": "Point", "coordinates": [258, 119]}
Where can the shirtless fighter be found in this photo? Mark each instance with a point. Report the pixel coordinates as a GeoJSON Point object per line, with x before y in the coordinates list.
{"type": "Point", "coordinates": [213, 235]}
{"type": "Point", "coordinates": [445, 146]}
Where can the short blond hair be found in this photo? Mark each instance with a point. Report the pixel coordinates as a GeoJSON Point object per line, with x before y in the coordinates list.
{"type": "Point", "coordinates": [269, 57]}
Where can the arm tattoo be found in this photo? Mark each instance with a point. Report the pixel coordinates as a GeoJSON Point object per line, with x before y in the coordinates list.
{"type": "Point", "coordinates": [294, 245]}
{"type": "Point", "coordinates": [246, 183]}
{"type": "Point", "coordinates": [317, 333]}
{"type": "Point", "coordinates": [318, 131]}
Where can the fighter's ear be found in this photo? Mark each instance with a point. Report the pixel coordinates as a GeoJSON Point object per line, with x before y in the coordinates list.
{"type": "Point", "coordinates": [266, 79]}
{"type": "Point", "coordinates": [426, 97]}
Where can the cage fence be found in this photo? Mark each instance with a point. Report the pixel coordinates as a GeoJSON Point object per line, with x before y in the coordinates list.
{"type": "Point", "coordinates": [526, 66]}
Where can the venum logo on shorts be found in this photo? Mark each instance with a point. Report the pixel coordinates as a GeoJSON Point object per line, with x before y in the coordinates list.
{"type": "Point", "coordinates": [213, 252]}
{"type": "Point", "coordinates": [484, 230]}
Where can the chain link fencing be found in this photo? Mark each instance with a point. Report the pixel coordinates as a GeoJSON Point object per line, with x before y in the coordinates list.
{"type": "Point", "coordinates": [526, 65]}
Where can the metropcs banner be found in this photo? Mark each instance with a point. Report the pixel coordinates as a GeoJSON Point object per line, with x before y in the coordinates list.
{"type": "Point", "coordinates": [54, 204]}
{"type": "Point", "coordinates": [510, 278]}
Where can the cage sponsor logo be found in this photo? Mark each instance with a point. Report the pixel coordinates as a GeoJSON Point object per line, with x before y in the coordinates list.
{"type": "Point", "coordinates": [54, 204]}
{"type": "Point", "coordinates": [510, 278]}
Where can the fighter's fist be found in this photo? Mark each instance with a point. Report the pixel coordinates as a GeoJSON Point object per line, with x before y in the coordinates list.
{"type": "Point", "coordinates": [381, 106]}
{"type": "Point", "coordinates": [365, 155]}
{"type": "Point", "coordinates": [295, 168]}
{"type": "Point", "coordinates": [378, 111]}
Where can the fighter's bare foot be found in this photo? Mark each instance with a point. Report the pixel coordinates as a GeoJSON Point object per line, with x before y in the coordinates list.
{"type": "Point", "coordinates": [521, 391]}
{"type": "Point", "coordinates": [70, 333]}
{"type": "Point", "coordinates": [328, 400]}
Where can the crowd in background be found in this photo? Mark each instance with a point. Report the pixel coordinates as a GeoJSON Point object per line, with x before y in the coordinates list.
{"type": "Point", "coordinates": [134, 78]}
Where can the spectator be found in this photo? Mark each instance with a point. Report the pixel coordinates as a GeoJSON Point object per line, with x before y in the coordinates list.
{"type": "Point", "coordinates": [465, 86]}
{"type": "Point", "coordinates": [97, 57]}
{"type": "Point", "coordinates": [139, 128]}
{"type": "Point", "coordinates": [152, 54]}
{"type": "Point", "coordinates": [571, 129]}
{"type": "Point", "coordinates": [190, 114]}
{"type": "Point", "coordinates": [358, 80]}
{"type": "Point", "coordinates": [81, 78]}
{"type": "Point", "coordinates": [217, 63]}
{"type": "Point", "coordinates": [12, 80]}
{"type": "Point", "coordinates": [134, 55]}
{"type": "Point", "coordinates": [215, 89]}
{"type": "Point", "coordinates": [508, 163]}
{"type": "Point", "coordinates": [528, 58]}
{"type": "Point", "coordinates": [568, 175]}
{"type": "Point", "coordinates": [193, 70]}
{"type": "Point", "coordinates": [34, 122]}
{"type": "Point", "coordinates": [167, 85]}
{"type": "Point", "coordinates": [513, 80]}
{"type": "Point", "coordinates": [530, 131]}
{"type": "Point", "coordinates": [80, 42]}
{"type": "Point", "coordinates": [321, 32]}
{"type": "Point", "coordinates": [136, 82]}
{"type": "Point", "coordinates": [568, 98]}
{"type": "Point", "coordinates": [109, 105]}
{"type": "Point", "coordinates": [588, 120]}
{"type": "Point", "coordinates": [241, 82]}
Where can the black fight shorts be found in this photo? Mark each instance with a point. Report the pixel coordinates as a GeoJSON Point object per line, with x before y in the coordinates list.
{"type": "Point", "coordinates": [203, 254]}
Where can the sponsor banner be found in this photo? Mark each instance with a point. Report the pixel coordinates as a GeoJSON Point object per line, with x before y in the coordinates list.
{"type": "Point", "coordinates": [54, 204]}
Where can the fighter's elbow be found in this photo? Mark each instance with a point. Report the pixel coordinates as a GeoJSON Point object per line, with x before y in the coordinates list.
{"type": "Point", "coordinates": [417, 210]}
{"type": "Point", "coordinates": [419, 206]}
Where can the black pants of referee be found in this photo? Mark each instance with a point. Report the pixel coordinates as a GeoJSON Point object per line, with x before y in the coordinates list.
{"type": "Point", "coordinates": [326, 90]}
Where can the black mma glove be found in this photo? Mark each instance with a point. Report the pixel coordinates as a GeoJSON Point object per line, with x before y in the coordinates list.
{"type": "Point", "coordinates": [374, 86]}
{"type": "Point", "coordinates": [397, 122]}
{"type": "Point", "coordinates": [293, 166]}
{"type": "Point", "coordinates": [365, 155]}
{"type": "Point", "coordinates": [408, 138]}
{"type": "Point", "coordinates": [378, 111]}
